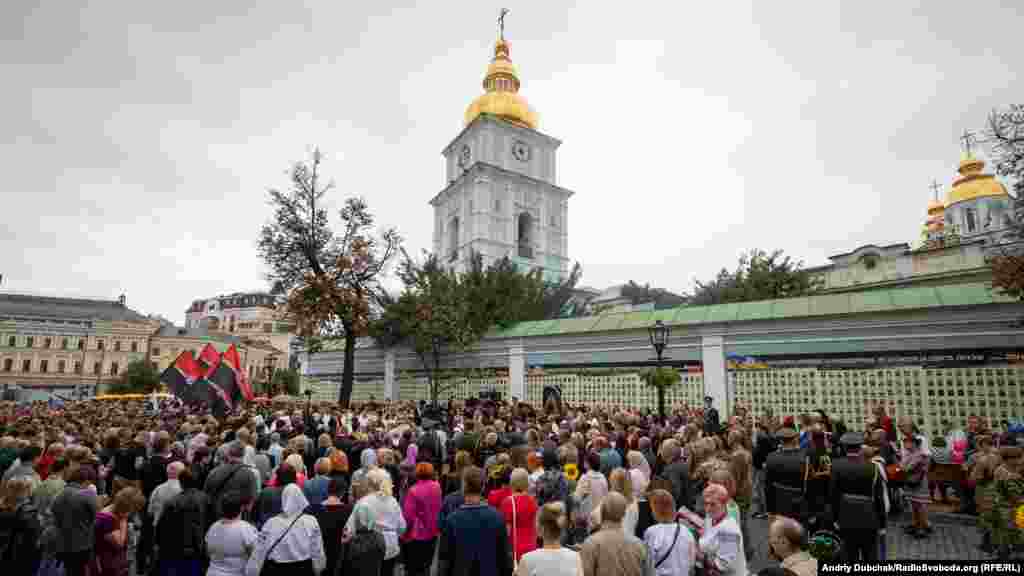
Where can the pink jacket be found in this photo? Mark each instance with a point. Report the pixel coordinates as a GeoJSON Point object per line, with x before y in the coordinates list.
{"type": "Point", "coordinates": [421, 510]}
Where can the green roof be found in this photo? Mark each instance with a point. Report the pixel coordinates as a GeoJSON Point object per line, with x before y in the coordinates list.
{"type": "Point", "coordinates": [851, 303]}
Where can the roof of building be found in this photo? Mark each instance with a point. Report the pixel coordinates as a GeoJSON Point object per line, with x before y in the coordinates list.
{"type": "Point", "coordinates": [875, 301]}
{"type": "Point", "coordinates": [169, 331]}
{"type": "Point", "coordinates": [30, 306]}
{"type": "Point", "coordinates": [501, 97]}
{"type": "Point", "coordinates": [973, 182]}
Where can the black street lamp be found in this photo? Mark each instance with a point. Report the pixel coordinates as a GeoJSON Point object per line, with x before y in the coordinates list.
{"type": "Point", "coordinates": [659, 334]}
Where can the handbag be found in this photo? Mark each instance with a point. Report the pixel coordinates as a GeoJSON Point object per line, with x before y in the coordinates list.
{"type": "Point", "coordinates": [515, 558]}
{"type": "Point", "coordinates": [670, 548]}
{"type": "Point", "coordinates": [266, 558]}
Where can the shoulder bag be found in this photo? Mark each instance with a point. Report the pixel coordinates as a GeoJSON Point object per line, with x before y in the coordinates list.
{"type": "Point", "coordinates": [670, 548]}
{"type": "Point", "coordinates": [515, 558]}
{"type": "Point", "coordinates": [266, 558]}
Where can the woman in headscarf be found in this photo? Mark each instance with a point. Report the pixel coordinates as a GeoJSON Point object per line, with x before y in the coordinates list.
{"type": "Point", "coordinates": [367, 463]}
{"type": "Point", "coordinates": [390, 521]}
{"type": "Point", "coordinates": [290, 544]}
{"type": "Point", "coordinates": [721, 544]}
{"type": "Point", "coordinates": [639, 472]}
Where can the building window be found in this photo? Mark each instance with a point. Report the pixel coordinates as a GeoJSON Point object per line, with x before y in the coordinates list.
{"type": "Point", "coordinates": [96, 368]}
{"type": "Point", "coordinates": [113, 368]}
{"type": "Point", "coordinates": [26, 365]}
{"type": "Point", "coordinates": [78, 367]}
{"type": "Point", "coordinates": [154, 365]}
{"type": "Point", "coordinates": [268, 328]}
{"type": "Point", "coordinates": [61, 366]}
{"type": "Point", "coordinates": [30, 341]}
{"type": "Point", "coordinates": [524, 240]}
{"type": "Point", "coordinates": [972, 221]}
{"type": "Point", "coordinates": [63, 343]}
{"type": "Point", "coordinates": [156, 350]}
{"type": "Point", "coordinates": [497, 206]}
{"type": "Point", "coordinates": [100, 345]}
{"type": "Point", "coordinates": [48, 343]}
{"type": "Point", "coordinates": [117, 345]}
{"type": "Point", "coordinates": [44, 366]}
{"type": "Point", "coordinates": [81, 343]}
{"type": "Point", "coordinates": [8, 364]}
{"type": "Point", "coordinates": [453, 240]}
{"type": "Point", "coordinates": [135, 346]}
{"type": "Point", "coordinates": [12, 341]}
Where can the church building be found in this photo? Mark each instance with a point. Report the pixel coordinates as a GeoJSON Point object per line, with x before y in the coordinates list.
{"type": "Point", "coordinates": [501, 198]}
{"type": "Point", "coordinates": [957, 237]}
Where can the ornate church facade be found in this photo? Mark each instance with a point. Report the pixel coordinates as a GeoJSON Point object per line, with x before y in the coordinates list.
{"type": "Point", "coordinates": [501, 198]}
{"type": "Point", "coordinates": [958, 235]}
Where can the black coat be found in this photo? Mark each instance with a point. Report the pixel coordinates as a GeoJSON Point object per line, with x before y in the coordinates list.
{"type": "Point", "coordinates": [784, 482]}
{"type": "Point", "coordinates": [857, 495]}
{"type": "Point", "coordinates": [678, 473]}
{"type": "Point", "coordinates": [181, 533]}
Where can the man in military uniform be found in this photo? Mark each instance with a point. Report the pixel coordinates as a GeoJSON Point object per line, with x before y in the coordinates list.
{"type": "Point", "coordinates": [858, 499]}
{"type": "Point", "coordinates": [784, 481]}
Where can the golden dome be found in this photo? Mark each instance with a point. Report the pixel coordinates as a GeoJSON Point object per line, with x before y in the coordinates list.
{"type": "Point", "coordinates": [973, 183]}
{"type": "Point", "coordinates": [501, 97]}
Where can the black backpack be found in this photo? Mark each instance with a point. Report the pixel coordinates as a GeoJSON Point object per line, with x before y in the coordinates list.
{"type": "Point", "coordinates": [16, 537]}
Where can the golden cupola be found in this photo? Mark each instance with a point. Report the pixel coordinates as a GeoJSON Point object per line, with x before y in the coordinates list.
{"type": "Point", "coordinates": [973, 183]}
{"type": "Point", "coordinates": [501, 97]}
{"type": "Point", "coordinates": [936, 216]}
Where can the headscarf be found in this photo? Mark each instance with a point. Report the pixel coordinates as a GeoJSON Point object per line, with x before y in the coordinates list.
{"type": "Point", "coordinates": [339, 461]}
{"type": "Point", "coordinates": [293, 502]}
{"type": "Point", "coordinates": [368, 459]}
{"type": "Point", "coordinates": [410, 455]}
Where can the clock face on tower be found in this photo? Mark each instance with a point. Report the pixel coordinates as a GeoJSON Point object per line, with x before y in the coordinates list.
{"type": "Point", "coordinates": [521, 151]}
{"type": "Point", "coordinates": [464, 156]}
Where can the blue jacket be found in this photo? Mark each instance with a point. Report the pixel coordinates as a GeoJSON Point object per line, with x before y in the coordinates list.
{"type": "Point", "coordinates": [474, 541]}
{"type": "Point", "coordinates": [316, 490]}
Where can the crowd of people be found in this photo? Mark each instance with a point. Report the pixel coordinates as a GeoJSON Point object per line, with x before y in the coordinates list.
{"type": "Point", "coordinates": [482, 487]}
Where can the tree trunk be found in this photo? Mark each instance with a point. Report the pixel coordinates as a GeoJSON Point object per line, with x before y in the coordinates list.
{"type": "Point", "coordinates": [349, 370]}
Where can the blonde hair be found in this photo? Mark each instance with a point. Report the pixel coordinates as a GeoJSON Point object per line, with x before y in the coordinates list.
{"type": "Point", "coordinates": [551, 521]}
{"type": "Point", "coordinates": [295, 461]}
{"type": "Point", "coordinates": [378, 480]}
{"type": "Point", "coordinates": [620, 482]}
{"type": "Point", "coordinates": [14, 490]}
{"type": "Point", "coordinates": [520, 481]}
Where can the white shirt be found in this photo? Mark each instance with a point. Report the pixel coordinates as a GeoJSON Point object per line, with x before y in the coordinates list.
{"type": "Point", "coordinates": [302, 542]}
{"type": "Point", "coordinates": [722, 545]}
{"type": "Point", "coordinates": [229, 545]}
{"type": "Point", "coordinates": [161, 497]}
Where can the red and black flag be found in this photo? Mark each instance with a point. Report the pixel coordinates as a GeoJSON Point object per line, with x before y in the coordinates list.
{"type": "Point", "coordinates": [234, 361]}
{"type": "Point", "coordinates": [182, 375]}
{"type": "Point", "coordinates": [209, 358]}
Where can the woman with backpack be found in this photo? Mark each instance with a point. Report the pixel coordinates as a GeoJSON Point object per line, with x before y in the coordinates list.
{"type": "Point", "coordinates": [364, 551]}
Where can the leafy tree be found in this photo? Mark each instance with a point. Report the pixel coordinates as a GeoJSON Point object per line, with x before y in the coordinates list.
{"type": "Point", "coordinates": [758, 276]}
{"type": "Point", "coordinates": [440, 310]}
{"type": "Point", "coordinates": [661, 298]}
{"type": "Point", "coordinates": [286, 380]}
{"type": "Point", "coordinates": [1004, 136]}
{"type": "Point", "coordinates": [139, 377]}
{"type": "Point", "coordinates": [328, 282]}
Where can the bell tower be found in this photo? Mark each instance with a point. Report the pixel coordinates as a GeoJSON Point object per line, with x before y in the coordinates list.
{"type": "Point", "coordinates": [501, 198]}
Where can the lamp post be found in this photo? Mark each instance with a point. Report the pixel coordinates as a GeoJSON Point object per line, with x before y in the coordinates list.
{"type": "Point", "coordinates": [659, 334]}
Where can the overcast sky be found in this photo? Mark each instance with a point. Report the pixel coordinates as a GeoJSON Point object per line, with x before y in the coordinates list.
{"type": "Point", "coordinates": [139, 138]}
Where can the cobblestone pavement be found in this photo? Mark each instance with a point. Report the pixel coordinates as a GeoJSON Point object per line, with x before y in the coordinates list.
{"type": "Point", "coordinates": [948, 542]}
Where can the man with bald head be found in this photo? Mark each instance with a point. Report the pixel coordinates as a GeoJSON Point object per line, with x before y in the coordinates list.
{"type": "Point", "coordinates": [165, 492]}
{"type": "Point", "coordinates": [611, 551]}
{"type": "Point", "coordinates": [785, 537]}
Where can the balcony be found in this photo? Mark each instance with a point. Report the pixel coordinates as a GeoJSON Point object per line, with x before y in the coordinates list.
{"type": "Point", "coordinates": [525, 251]}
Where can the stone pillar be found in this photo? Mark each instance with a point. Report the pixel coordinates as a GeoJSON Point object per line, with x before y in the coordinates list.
{"type": "Point", "coordinates": [390, 384]}
{"type": "Point", "coordinates": [517, 371]}
{"type": "Point", "coordinates": [716, 385]}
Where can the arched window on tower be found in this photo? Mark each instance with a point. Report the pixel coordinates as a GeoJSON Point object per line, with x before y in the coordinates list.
{"type": "Point", "coordinates": [453, 239]}
{"type": "Point", "coordinates": [971, 219]}
{"type": "Point", "coordinates": [524, 236]}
